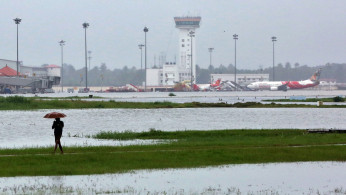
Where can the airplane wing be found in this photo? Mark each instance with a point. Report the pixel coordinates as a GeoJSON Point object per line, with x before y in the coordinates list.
{"type": "Point", "coordinates": [284, 87]}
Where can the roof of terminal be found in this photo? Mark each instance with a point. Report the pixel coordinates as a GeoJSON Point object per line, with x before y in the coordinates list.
{"type": "Point", "coordinates": [7, 71]}
{"type": "Point", "coordinates": [52, 66]}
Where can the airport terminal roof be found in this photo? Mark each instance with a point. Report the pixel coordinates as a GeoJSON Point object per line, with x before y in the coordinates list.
{"type": "Point", "coordinates": [52, 66]}
{"type": "Point", "coordinates": [7, 71]}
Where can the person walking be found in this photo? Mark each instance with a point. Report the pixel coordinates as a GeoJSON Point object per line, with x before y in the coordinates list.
{"type": "Point", "coordinates": [58, 125]}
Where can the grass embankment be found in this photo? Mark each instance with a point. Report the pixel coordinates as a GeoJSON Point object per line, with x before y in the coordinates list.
{"type": "Point", "coordinates": [33, 103]}
{"type": "Point", "coordinates": [188, 150]}
{"type": "Point", "coordinates": [334, 99]}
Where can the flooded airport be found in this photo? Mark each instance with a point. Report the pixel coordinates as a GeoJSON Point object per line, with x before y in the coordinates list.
{"type": "Point", "coordinates": [22, 129]}
{"type": "Point", "coordinates": [30, 129]}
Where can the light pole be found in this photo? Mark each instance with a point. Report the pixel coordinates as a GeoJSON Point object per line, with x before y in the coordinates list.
{"type": "Point", "coordinates": [235, 37]}
{"type": "Point", "coordinates": [210, 51]}
{"type": "Point", "coordinates": [17, 21]}
{"type": "Point", "coordinates": [140, 47]}
{"type": "Point", "coordinates": [273, 39]}
{"type": "Point", "coordinates": [145, 56]}
{"type": "Point", "coordinates": [62, 43]}
{"type": "Point", "coordinates": [191, 35]}
{"type": "Point", "coordinates": [89, 57]}
{"type": "Point", "coordinates": [85, 26]}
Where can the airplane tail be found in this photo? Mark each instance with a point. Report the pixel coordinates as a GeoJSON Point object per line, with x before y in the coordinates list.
{"type": "Point", "coordinates": [195, 87]}
{"type": "Point", "coordinates": [316, 75]}
{"type": "Point", "coordinates": [217, 83]}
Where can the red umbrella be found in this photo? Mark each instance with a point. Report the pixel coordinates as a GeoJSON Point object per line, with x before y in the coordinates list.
{"type": "Point", "coordinates": [55, 115]}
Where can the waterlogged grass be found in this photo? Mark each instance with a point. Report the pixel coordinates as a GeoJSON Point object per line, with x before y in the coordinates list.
{"type": "Point", "coordinates": [32, 103]}
{"type": "Point", "coordinates": [334, 99]}
{"type": "Point", "coordinates": [239, 138]}
{"type": "Point", "coordinates": [188, 149]}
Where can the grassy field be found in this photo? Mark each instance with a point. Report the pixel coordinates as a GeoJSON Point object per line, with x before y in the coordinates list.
{"type": "Point", "coordinates": [34, 103]}
{"type": "Point", "coordinates": [183, 149]}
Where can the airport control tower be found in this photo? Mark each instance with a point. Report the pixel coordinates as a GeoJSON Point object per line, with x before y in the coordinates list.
{"type": "Point", "coordinates": [185, 26]}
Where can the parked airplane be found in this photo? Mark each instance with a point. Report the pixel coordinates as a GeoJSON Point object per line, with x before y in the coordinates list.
{"type": "Point", "coordinates": [207, 87]}
{"type": "Point", "coordinates": [284, 85]}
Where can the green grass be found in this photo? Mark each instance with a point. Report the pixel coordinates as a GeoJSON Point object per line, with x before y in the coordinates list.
{"type": "Point", "coordinates": [188, 149]}
{"type": "Point", "coordinates": [34, 103]}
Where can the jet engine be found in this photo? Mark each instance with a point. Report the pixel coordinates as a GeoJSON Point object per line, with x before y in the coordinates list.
{"type": "Point", "coordinates": [274, 88]}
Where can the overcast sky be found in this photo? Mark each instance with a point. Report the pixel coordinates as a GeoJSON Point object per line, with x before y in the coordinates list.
{"type": "Point", "coordinates": [311, 32]}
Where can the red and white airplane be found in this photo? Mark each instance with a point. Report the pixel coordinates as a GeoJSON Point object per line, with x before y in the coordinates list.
{"type": "Point", "coordinates": [207, 87]}
{"type": "Point", "coordinates": [284, 85]}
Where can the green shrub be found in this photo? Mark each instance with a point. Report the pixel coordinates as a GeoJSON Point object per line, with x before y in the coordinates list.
{"type": "Point", "coordinates": [338, 99]}
{"type": "Point", "coordinates": [17, 99]}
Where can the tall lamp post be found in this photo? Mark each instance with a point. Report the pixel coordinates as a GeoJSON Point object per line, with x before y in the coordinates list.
{"type": "Point", "coordinates": [191, 35]}
{"type": "Point", "coordinates": [85, 26]}
{"type": "Point", "coordinates": [62, 43]}
{"type": "Point", "coordinates": [145, 56]}
{"type": "Point", "coordinates": [235, 37]}
{"type": "Point", "coordinates": [273, 39]}
{"type": "Point", "coordinates": [17, 21]}
{"type": "Point", "coordinates": [140, 47]}
{"type": "Point", "coordinates": [89, 57]}
{"type": "Point", "coordinates": [210, 51]}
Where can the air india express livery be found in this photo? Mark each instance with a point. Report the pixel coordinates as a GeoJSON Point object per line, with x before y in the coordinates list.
{"type": "Point", "coordinates": [207, 87]}
{"type": "Point", "coordinates": [284, 85]}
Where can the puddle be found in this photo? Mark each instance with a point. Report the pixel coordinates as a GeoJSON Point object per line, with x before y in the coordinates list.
{"type": "Point", "coordinates": [272, 178]}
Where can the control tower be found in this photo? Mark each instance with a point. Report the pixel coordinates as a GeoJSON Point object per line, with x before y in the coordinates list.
{"type": "Point", "coordinates": [185, 26]}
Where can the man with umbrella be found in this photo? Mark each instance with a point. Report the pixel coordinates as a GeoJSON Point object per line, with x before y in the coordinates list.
{"type": "Point", "coordinates": [58, 125]}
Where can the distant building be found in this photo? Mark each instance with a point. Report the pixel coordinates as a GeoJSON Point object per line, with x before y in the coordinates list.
{"type": "Point", "coordinates": [10, 63]}
{"type": "Point", "coordinates": [242, 79]}
{"type": "Point", "coordinates": [172, 72]}
{"type": "Point", "coordinates": [37, 79]}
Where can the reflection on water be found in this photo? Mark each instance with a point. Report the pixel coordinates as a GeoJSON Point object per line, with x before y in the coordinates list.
{"type": "Point", "coordinates": [273, 178]}
{"type": "Point", "coordinates": [29, 128]}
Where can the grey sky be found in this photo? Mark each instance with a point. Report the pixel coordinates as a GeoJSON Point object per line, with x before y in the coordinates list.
{"type": "Point", "coordinates": [311, 32]}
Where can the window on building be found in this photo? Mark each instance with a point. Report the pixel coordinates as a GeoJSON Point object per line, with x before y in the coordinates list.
{"type": "Point", "coordinates": [182, 40]}
{"type": "Point", "coordinates": [182, 45]}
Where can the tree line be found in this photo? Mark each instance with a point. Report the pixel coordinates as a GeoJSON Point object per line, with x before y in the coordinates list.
{"type": "Point", "coordinates": [103, 76]}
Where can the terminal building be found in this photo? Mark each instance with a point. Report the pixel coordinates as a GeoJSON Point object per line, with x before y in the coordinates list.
{"type": "Point", "coordinates": [242, 79]}
{"type": "Point", "coordinates": [27, 79]}
{"type": "Point", "coordinates": [185, 68]}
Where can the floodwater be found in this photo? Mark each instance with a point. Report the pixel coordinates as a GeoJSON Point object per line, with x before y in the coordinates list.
{"type": "Point", "coordinates": [270, 178]}
{"type": "Point", "coordinates": [205, 97]}
{"type": "Point", "coordinates": [30, 129]}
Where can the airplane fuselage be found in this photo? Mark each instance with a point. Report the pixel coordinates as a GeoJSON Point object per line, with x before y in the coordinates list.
{"type": "Point", "coordinates": [282, 85]}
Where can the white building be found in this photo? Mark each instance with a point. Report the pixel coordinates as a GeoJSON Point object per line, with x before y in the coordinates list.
{"type": "Point", "coordinates": [154, 77]}
{"type": "Point", "coordinates": [187, 53]}
{"type": "Point", "coordinates": [170, 73]}
{"type": "Point", "coordinates": [242, 79]}
{"type": "Point", "coordinates": [10, 63]}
